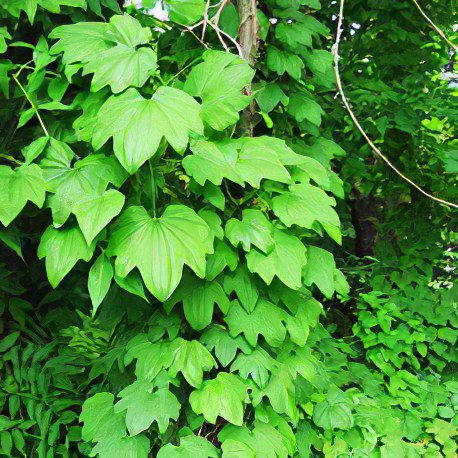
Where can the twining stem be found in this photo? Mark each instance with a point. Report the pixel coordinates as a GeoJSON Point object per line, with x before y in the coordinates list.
{"type": "Point", "coordinates": [375, 149]}
{"type": "Point", "coordinates": [32, 103]}
{"type": "Point", "coordinates": [153, 187]}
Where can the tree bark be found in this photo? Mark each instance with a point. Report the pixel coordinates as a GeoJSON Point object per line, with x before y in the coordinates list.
{"type": "Point", "coordinates": [249, 42]}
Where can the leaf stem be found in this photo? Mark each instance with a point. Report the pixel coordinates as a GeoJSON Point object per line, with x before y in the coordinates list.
{"type": "Point", "coordinates": [15, 77]}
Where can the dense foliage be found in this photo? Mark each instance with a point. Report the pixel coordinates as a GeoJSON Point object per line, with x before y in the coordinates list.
{"type": "Point", "coordinates": [199, 254]}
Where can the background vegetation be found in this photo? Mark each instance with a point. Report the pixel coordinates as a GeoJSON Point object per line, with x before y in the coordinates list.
{"type": "Point", "coordinates": [199, 254]}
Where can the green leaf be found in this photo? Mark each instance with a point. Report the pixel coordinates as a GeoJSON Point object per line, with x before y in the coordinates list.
{"type": "Point", "coordinates": [263, 441]}
{"type": "Point", "coordinates": [281, 393]}
{"type": "Point", "coordinates": [169, 113]}
{"type": "Point", "coordinates": [219, 82]}
{"type": "Point", "coordinates": [190, 447]}
{"type": "Point", "coordinates": [185, 11]}
{"type": "Point", "coordinates": [14, 7]}
{"type": "Point", "coordinates": [225, 347]}
{"type": "Point", "coordinates": [110, 51]}
{"type": "Point", "coordinates": [18, 186]}
{"type": "Point", "coordinates": [144, 406]}
{"type": "Point", "coordinates": [282, 61]}
{"type": "Point", "coordinates": [334, 412]}
{"type": "Point", "coordinates": [254, 229]}
{"type": "Point", "coordinates": [63, 248]}
{"type": "Point", "coordinates": [160, 247]}
{"type": "Point", "coordinates": [304, 205]}
{"type": "Point", "coordinates": [32, 151]}
{"type": "Point", "coordinates": [302, 107]}
{"type": "Point", "coordinates": [199, 299]}
{"type": "Point", "coordinates": [257, 364]}
{"type": "Point", "coordinates": [99, 281]}
{"type": "Point", "coordinates": [95, 212]}
{"type": "Point", "coordinates": [320, 269]}
{"type": "Point", "coordinates": [242, 283]}
{"type": "Point", "coordinates": [285, 260]}
{"type": "Point", "coordinates": [190, 358]}
{"type": "Point", "coordinates": [222, 396]}
{"type": "Point", "coordinates": [266, 319]}
{"type": "Point", "coordinates": [99, 418]}
{"type": "Point", "coordinates": [81, 189]}
{"type": "Point", "coordinates": [242, 160]}
{"type": "Point", "coordinates": [106, 427]}
{"type": "Point", "coordinates": [11, 237]}
{"type": "Point", "coordinates": [151, 357]}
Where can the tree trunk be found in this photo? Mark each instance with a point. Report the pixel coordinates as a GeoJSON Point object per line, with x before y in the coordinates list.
{"type": "Point", "coordinates": [249, 41]}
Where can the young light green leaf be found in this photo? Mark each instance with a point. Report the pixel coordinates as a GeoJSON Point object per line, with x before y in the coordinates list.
{"type": "Point", "coordinates": [169, 113]}
{"type": "Point", "coordinates": [237, 160]}
{"type": "Point", "coordinates": [285, 260]}
{"type": "Point", "coordinates": [320, 269]}
{"type": "Point", "coordinates": [109, 50]}
{"type": "Point", "coordinates": [143, 407]}
{"type": "Point", "coordinates": [281, 61]}
{"type": "Point", "coordinates": [334, 412]}
{"type": "Point", "coordinates": [160, 247]}
{"type": "Point", "coordinates": [190, 358]}
{"type": "Point", "coordinates": [18, 186]}
{"type": "Point", "coordinates": [190, 447]}
{"type": "Point", "coordinates": [63, 248]}
{"type": "Point", "coordinates": [95, 212]}
{"type": "Point", "coordinates": [225, 347]}
{"type": "Point", "coordinates": [99, 281]}
{"type": "Point", "coordinates": [258, 364]}
{"type": "Point", "coordinates": [266, 319]}
{"type": "Point", "coordinates": [304, 205]}
{"type": "Point", "coordinates": [219, 81]}
{"type": "Point", "coordinates": [254, 229]}
{"type": "Point", "coordinates": [223, 396]}
{"type": "Point", "coordinates": [242, 283]}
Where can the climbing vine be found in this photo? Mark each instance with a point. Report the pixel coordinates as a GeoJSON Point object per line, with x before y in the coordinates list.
{"type": "Point", "coordinates": [199, 254]}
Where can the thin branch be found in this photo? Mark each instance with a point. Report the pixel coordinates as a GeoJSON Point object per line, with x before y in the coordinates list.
{"type": "Point", "coordinates": [435, 27]}
{"type": "Point", "coordinates": [335, 50]}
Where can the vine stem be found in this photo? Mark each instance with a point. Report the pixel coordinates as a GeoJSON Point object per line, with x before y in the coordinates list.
{"type": "Point", "coordinates": [435, 27]}
{"type": "Point", "coordinates": [153, 187]}
{"type": "Point", "coordinates": [34, 107]}
{"type": "Point", "coordinates": [335, 51]}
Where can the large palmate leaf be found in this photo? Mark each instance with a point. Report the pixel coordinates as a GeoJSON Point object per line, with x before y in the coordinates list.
{"type": "Point", "coordinates": [190, 447]}
{"type": "Point", "coordinates": [334, 411]}
{"type": "Point", "coordinates": [80, 189]}
{"type": "Point", "coordinates": [63, 248]}
{"type": "Point", "coordinates": [219, 82]}
{"type": "Point", "coordinates": [266, 319]}
{"type": "Point", "coordinates": [321, 270]}
{"type": "Point", "coordinates": [110, 51]}
{"type": "Point", "coordinates": [305, 205]}
{"type": "Point", "coordinates": [258, 364]}
{"type": "Point", "coordinates": [242, 283]}
{"type": "Point", "coordinates": [254, 229]}
{"type": "Point", "coordinates": [217, 339]}
{"type": "Point", "coordinates": [247, 159]}
{"type": "Point", "coordinates": [190, 358]}
{"type": "Point", "coordinates": [263, 441]}
{"type": "Point", "coordinates": [199, 298]}
{"type": "Point", "coordinates": [105, 427]}
{"type": "Point", "coordinates": [143, 406]}
{"type": "Point", "coordinates": [223, 396]}
{"type": "Point", "coordinates": [137, 125]}
{"type": "Point", "coordinates": [17, 187]}
{"type": "Point", "coordinates": [284, 261]}
{"type": "Point", "coordinates": [282, 61]}
{"type": "Point", "coordinates": [160, 247]}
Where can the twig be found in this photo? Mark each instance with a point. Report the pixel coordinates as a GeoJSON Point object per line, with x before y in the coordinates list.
{"type": "Point", "coordinates": [435, 27]}
{"type": "Point", "coordinates": [335, 51]}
